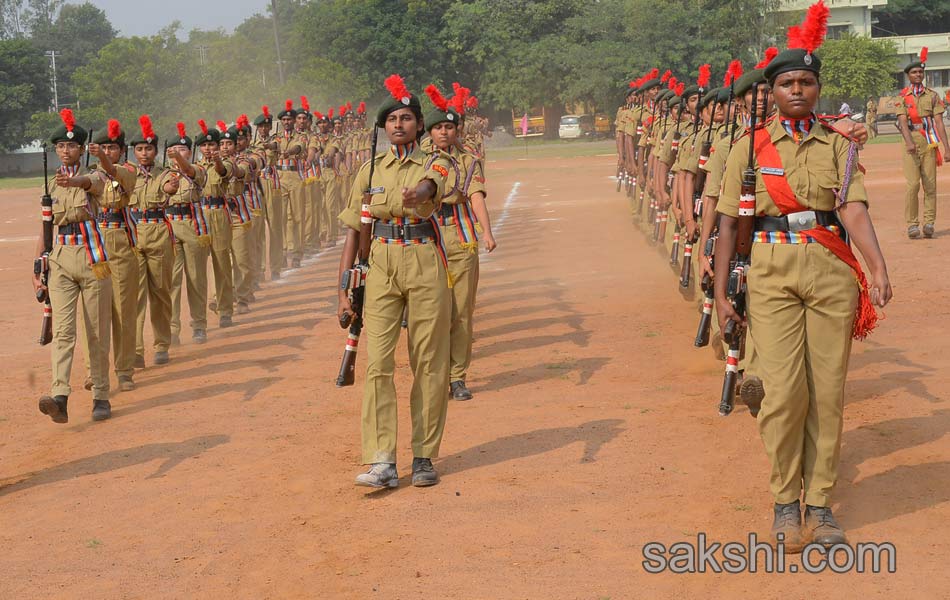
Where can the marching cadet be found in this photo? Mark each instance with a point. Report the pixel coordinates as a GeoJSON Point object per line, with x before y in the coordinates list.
{"type": "Point", "coordinates": [919, 118]}
{"type": "Point", "coordinates": [118, 236]}
{"type": "Point", "coordinates": [78, 268]}
{"type": "Point", "coordinates": [310, 182]}
{"type": "Point", "coordinates": [254, 199]}
{"type": "Point", "coordinates": [274, 214]}
{"type": "Point", "coordinates": [289, 154]}
{"type": "Point", "coordinates": [407, 268]}
{"type": "Point", "coordinates": [807, 294]}
{"type": "Point", "coordinates": [153, 247]}
{"type": "Point", "coordinates": [870, 117]}
{"type": "Point", "coordinates": [462, 216]}
{"type": "Point", "coordinates": [192, 237]}
{"type": "Point", "coordinates": [242, 234]}
{"type": "Point", "coordinates": [214, 203]}
{"type": "Point", "coordinates": [326, 220]}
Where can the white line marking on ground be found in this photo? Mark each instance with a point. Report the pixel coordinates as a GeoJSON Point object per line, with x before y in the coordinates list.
{"type": "Point", "coordinates": [26, 238]}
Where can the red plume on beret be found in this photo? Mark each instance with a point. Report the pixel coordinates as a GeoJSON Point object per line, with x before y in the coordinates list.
{"type": "Point", "coordinates": [672, 83]}
{"type": "Point", "coordinates": [666, 76]}
{"type": "Point", "coordinates": [770, 53]}
{"type": "Point", "coordinates": [397, 88]}
{"type": "Point", "coordinates": [146, 124]}
{"type": "Point", "coordinates": [342, 109]}
{"type": "Point", "coordinates": [679, 88]}
{"type": "Point", "coordinates": [289, 104]}
{"type": "Point", "coordinates": [472, 103]}
{"type": "Point", "coordinates": [349, 106]}
{"type": "Point", "coordinates": [811, 33]}
{"type": "Point", "coordinates": [181, 129]}
{"type": "Point", "coordinates": [733, 72]}
{"type": "Point", "coordinates": [361, 108]}
{"type": "Point", "coordinates": [304, 104]}
{"type": "Point", "coordinates": [653, 74]}
{"type": "Point", "coordinates": [114, 129]}
{"type": "Point", "coordinates": [222, 126]}
{"type": "Point", "coordinates": [633, 84]}
{"type": "Point", "coordinates": [923, 54]}
{"type": "Point", "coordinates": [243, 122]}
{"type": "Point", "coordinates": [458, 100]}
{"type": "Point", "coordinates": [330, 113]}
{"type": "Point", "coordinates": [266, 111]}
{"type": "Point", "coordinates": [203, 126]}
{"type": "Point", "coordinates": [69, 120]}
{"type": "Point", "coordinates": [318, 115]}
{"type": "Point", "coordinates": [704, 75]}
{"type": "Point", "coordinates": [438, 100]}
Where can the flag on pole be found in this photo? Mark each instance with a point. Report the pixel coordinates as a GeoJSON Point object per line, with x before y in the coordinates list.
{"type": "Point", "coordinates": [524, 125]}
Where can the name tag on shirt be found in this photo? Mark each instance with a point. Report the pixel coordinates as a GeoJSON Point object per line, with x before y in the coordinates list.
{"type": "Point", "coordinates": [772, 171]}
{"type": "Point", "coordinates": [377, 190]}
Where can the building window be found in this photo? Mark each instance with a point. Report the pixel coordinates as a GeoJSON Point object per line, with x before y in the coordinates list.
{"type": "Point", "coordinates": [836, 31]}
{"type": "Point", "coordinates": [937, 78]}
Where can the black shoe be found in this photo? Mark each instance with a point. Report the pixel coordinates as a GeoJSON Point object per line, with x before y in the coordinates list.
{"type": "Point", "coordinates": [459, 391]}
{"type": "Point", "coordinates": [101, 410]}
{"type": "Point", "coordinates": [929, 230]}
{"type": "Point", "coordinates": [295, 263]}
{"type": "Point", "coordinates": [161, 358]}
{"type": "Point", "coordinates": [423, 473]}
{"type": "Point", "coordinates": [787, 527]}
{"type": "Point", "coordinates": [822, 527]}
{"type": "Point", "coordinates": [752, 392]}
{"type": "Point", "coordinates": [55, 408]}
{"type": "Point", "coordinates": [225, 321]}
{"type": "Point", "coordinates": [199, 336]}
{"type": "Point", "coordinates": [139, 361]}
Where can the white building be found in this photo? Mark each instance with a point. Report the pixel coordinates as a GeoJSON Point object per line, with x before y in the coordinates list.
{"type": "Point", "coordinates": [855, 16]}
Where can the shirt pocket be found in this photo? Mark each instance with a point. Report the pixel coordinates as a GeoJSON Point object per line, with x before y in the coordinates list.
{"type": "Point", "coordinates": [823, 184]}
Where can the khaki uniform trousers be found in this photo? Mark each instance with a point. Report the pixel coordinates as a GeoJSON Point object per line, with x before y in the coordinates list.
{"type": "Point", "coordinates": [156, 259]}
{"type": "Point", "coordinates": [71, 278]}
{"type": "Point", "coordinates": [401, 276]}
{"type": "Point", "coordinates": [332, 206]}
{"type": "Point", "coordinates": [313, 213]}
{"type": "Point", "coordinates": [191, 264]}
{"type": "Point", "coordinates": [275, 217]}
{"type": "Point", "coordinates": [294, 192]}
{"type": "Point", "coordinates": [259, 249]}
{"type": "Point", "coordinates": [920, 169]}
{"type": "Point", "coordinates": [242, 261]}
{"type": "Point", "coordinates": [125, 283]}
{"type": "Point", "coordinates": [219, 225]}
{"type": "Point", "coordinates": [801, 309]}
{"type": "Point", "coordinates": [463, 265]}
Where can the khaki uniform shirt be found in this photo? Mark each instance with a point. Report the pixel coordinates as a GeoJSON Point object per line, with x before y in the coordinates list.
{"type": "Point", "coordinates": [117, 192]}
{"type": "Point", "coordinates": [814, 170]}
{"type": "Point", "coordinates": [216, 186]}
{"type": "Point", "coordinates": [75, 205]}
{"type": "Point", "coordinates": [716, 165]}
{"type": "Point", "coordinates": [929, 104]}
{"type": "Point", "coordinates": [466, 162]}
{"type": "Point", "coordinates": [389, 178]}
{"type": "Point", "coordinates": [189, 189]}
{"type": "Point", "coordinates": [148, 193]}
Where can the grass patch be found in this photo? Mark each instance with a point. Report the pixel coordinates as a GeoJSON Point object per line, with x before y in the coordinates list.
{"type": "Point", "coordinates": [552, 149]}
{"type": "Point", "coordinates": [20, 183]}
{"type": "Point", "coordinates": [891, 138]}
{"type": "Point", "coordinates": [93, 543]}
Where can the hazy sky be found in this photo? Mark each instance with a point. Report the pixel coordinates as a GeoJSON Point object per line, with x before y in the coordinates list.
{"type": "Point", "coordinates": [132, 17]}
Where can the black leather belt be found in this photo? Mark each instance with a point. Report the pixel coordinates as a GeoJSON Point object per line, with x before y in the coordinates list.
{"type": "Point", "coordinates": [447, 211]}
{"type": "Point", "coordinates": [69, 229]}
{"type": "Point", "coordinates": [111, 217]}
{"type": "Point", "coordinates": [212, 202]}
{"type": "Point", "coordinates": [393, 231]}
{"type": "Point", "coordinates": [800, 221]}
{"type": "Point", "coordinates": [151, 213]}
{"type": "Point", "coordinates": [179, 210]}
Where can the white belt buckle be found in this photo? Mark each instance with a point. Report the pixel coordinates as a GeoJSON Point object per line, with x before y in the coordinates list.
{"type": "Point", "coordinates": [802, 221]}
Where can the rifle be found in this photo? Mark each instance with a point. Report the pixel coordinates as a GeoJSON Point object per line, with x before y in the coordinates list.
{"type": "Point", "coordinates": [165, 155]}
{"type": "Point", "coordinates": [734, 333]}
{"type": "Point", "coordinates": [709, 296]}
{"type": "Point", "coordinates": [88, 141]}
{"type": "Point", "coordinates": [41, 264]}
{"type": "Point", "coordinates": [354, 282]}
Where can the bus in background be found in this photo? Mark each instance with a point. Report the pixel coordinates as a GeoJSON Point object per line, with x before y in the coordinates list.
{"type": "Point", "coordinates": [535, 122]}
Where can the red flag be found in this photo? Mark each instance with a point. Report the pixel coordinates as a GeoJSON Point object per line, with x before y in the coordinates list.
{"type": "Point", "coordinates": [524, 124]}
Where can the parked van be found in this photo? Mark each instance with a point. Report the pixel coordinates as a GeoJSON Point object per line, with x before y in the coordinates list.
{"type": "Point", "coordinates": [575, 126]}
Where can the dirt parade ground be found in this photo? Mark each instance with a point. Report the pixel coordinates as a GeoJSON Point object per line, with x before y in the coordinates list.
{"type": "Point", "coordinates": [594, 431]}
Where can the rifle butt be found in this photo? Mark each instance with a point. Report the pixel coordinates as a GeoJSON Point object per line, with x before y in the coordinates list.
{"type": "Point", "coordinates": [686, 272]}
{"type": "Point", "coordinates": [705, 323]}
{"type": "Point", "coordinates": [46, 328]}
{"type": "Point", "coordinates": [728, 399]}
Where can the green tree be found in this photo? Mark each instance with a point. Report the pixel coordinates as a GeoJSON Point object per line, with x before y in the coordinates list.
{"type": "Point", "coordinates": [909, 17]}
{"type": "Point", "coordinates": [856, 68]}
{"type": "Point", "coordinates": [77, 33]}
{"type": "Point", "coordinates": [24, 89]}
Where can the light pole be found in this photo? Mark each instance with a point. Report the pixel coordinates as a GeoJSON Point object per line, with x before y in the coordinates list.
{"type": "Point", "coordinates": [280, 63]}
{"type": "Point", "coordinates": [51, 54]}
